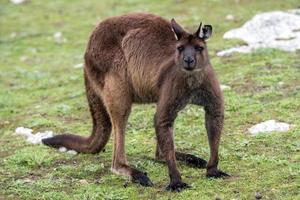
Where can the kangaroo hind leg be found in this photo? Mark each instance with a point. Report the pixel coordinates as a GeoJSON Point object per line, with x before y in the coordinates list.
{"type": "Point", "coordinates": [118, 101]}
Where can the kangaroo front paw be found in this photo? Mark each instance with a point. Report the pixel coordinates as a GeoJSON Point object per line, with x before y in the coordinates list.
{"type": "Point", "coordinates": [215, 173]}
{"type": "Point", "coordinates": [177, 186]}
{"type": "Point", "coordinates": [141, 178]}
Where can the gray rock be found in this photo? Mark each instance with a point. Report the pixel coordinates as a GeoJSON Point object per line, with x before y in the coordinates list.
{"type": "Point", "coordinates": [269, 126]}
{"type": "Point", "coordinates": [277, 29]}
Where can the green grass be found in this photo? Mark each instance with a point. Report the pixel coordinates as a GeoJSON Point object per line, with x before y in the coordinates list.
{"type": "Point", "coordinates": [40, 89]}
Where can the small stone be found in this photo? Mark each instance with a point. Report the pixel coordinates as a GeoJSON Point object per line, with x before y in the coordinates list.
{"type": "Point", "coordinates": [33, 138]}
{"type": "Point", "coordinates": [23, 131]}
{"type": "Point", "coordinates": [72, 152]}
{"type": "Point", "coordinates": [18, 1]}
{"type": "Point", "coordinates": [62, 149]}
{"type": "Point", "coordinates": [83, 181]}
{"type": "Point", "coordinates": [218, 198]}
{"type": "Point", "coordinates": [13, 35]}
{"type": "Point", "coordinates": [229, 17]}
{"type": "Point", "coordinates": [58, 38]}
{"type": "Point", "coordinates": [57, 35]}
{"type": "Point", "coordinates": [28, 180]}
{"type": "Point", "coordinates": [77, 66]}
{"type": "Point", "coordinates": [281, 83]}
{"type": "Point", "coordinates": [23, 58]}
{"type": "Point", "coordinates": [258, 195]}
{"type": "Point", "coordinates": [225, 87]}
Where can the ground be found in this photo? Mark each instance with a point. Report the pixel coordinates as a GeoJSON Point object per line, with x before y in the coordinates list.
{"type": "Point", "coordinates": [41, 89]}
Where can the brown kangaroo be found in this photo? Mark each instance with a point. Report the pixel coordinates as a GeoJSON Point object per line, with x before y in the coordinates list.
{"type": "Point", "coordinates": [143, 58]}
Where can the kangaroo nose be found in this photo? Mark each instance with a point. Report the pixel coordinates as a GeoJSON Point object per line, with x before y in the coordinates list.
{"type": "Point", "coordinates": [189, 60]}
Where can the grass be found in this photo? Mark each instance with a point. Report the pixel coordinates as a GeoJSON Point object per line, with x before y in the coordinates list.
{"type": "Point", "coordinates": [41, 89]}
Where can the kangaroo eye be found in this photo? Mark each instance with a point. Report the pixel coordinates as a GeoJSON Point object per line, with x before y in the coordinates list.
{"type": "Point", "coordinates": [199, 48]}
{"type": "Point", "coordinates": [180, 48]}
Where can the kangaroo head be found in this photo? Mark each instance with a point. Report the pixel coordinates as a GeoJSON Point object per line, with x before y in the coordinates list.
{"type": "Point", "coordinates": [191, 51]}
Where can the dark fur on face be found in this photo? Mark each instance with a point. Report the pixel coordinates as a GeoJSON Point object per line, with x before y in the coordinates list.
{"type": "Point", "coordinates": [135, 58]}
{"type": "Point", "coordinates": [191, 53]}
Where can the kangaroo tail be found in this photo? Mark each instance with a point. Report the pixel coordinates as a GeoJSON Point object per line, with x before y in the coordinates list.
{"type": "Point", "coordinates": [101, 128]}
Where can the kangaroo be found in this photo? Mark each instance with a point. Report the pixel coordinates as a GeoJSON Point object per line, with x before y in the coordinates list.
{"type": "Point", "coordinates": [143, 58]}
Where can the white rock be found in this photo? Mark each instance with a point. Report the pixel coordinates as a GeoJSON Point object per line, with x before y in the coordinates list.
{"type": "Point", "coordinates": [13, 35]}
{"type": "Point", "coordinates": [77, 66]}
{"type": "Point", "coordinates": [58, 38]}
{"type": "Point", "coordinates": [28, 180]}
{"type": "Point", "coordinates": [62, 149]}
{"type": "Point", "coordinates": [280, 83]}
{"type": "Point", "coordinates": [23, 58]}
{"type": "Point", "coordinates": [57, 35]}
{"type": "Point", "coordinates": [240, 49]}
{"type": "Point", "coordinates": [37, 138]}
{"type": "Point", "coordinates": [225, 87]}
{"type": "Point", "coordinates": [229, 17]}
{"type": "Point", "coordinates": [23, 131]}
{"type": "Point", "coordinates": [294, 11]}
{"type": "Point", "coordinates": [73, 152]}
{"type": "Point", "coordinates": [275, 29]}
{"type": "Point", "coordinates": [269, 126]}
{"type": "Point", "coordinates": [17, 1]}
{"type": "Point", "coordinates": [83, 181]}
{"type": "Point", "coordinates": [33, 138]}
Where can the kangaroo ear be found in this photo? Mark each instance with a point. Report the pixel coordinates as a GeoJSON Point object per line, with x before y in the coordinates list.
{"type": "Point", "coordinates": [176, 28]}
{"type": "Point", "coordinates": [205, 32]}
{"type": "Point", "coordinates": [198, 32]}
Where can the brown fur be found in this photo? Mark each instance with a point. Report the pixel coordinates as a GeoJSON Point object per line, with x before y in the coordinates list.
{"type": "Point", "coordinates": [133, 59]}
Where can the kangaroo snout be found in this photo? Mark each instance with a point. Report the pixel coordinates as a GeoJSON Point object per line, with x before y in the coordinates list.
{"type": "Point", "coordinates": [189, 63]}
